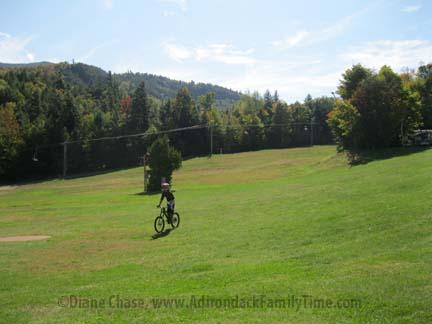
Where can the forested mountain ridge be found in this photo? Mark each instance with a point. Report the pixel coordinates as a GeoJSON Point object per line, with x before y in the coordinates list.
{"type": "Point", "coordinates": [163, 88]}
{"type": "Point", "coordinates": [24, 65]}
{"type": "Point", "coordinates": [43, 107]}
{"type": "Point", "coordinates": [157, 86]}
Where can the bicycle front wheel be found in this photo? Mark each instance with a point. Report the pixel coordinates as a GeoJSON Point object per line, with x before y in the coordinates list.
{"type": "Point", "coordinates": [159, 224]}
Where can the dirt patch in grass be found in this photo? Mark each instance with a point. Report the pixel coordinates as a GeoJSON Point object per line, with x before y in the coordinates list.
{"type": "Point", "coordinates": [4, 188]}
{"type": "Point", "coordinates": [24, 238]}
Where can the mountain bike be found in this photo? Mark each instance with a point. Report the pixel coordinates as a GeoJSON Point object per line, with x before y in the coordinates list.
{"type": "Point", "coordinates": [159, 222]}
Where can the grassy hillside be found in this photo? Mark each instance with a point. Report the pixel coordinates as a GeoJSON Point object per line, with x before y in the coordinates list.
{"type": "Point", "coordinates": [276, 223]}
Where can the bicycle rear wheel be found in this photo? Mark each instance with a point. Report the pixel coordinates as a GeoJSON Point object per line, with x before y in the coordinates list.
{"type": "Point", "coordinates": [175, 220]}
{"type": "Point", "coordinates": [159, 224]}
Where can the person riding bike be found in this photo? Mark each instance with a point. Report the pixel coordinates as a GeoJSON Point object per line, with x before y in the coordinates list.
{"type": "Point", "coordinates": [167, 193]}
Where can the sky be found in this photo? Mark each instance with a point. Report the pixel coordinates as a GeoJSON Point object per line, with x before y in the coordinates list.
{"type": "Point", "coordinates": [294, 47]}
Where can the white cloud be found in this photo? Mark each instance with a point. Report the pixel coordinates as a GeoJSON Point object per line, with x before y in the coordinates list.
{"type": "Point", "coordinates": [224, 53]}
{"type": "Point", "coordinates": [182, 4]}
{"type": "Point", "coordinates": [411, 9]}
{"type": "Point", "coordinates": [293, 78]}
{"type": "Point", "coordinates": [108, 4]}
{"type": "Point", "coordinates": [177, 52]}
{"type": "Point", "coordinates": [167, 13]}
{"type": "Point", "coordinates": [397, 54]}
{"type": "Point", "coordinates": [92, 51]}
{"type": "Point", "coordinates": [307, 38]}
{"type": "Point", "coordinates": [293, 81]}
{"type": "Point", "coordinates": [14, 49]}
{"type": "Point", "coordinates": [54, 60]}
{"type": "Point", "coordinates": [291, 41]}
{"type": "Point", "coordinates": [88, 55]}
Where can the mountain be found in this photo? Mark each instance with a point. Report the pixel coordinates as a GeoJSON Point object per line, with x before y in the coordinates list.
{"type": "Point", "coordinates": [157, 86]}
{"type": "Point", "coordinates": [163, 87]}
{"type": "Point", "coordinates": [24, 65]}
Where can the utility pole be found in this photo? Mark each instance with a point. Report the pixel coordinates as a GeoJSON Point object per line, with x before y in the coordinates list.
{"type": "Point", "coordinates": [145, 172]}
{"type": "Point", "coordinates": [311, 131]}
{"type": "Point", "coordinates": [64, 159]}
{"type": "Point", "coordinates": [145, 158]}
{"type": "Point", "coordinates": [211, 140]}
{"type": "Point", "coordinates": [402, 132]}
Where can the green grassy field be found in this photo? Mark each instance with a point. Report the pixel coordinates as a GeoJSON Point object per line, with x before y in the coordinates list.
{"type": "Point", "coordinates": [276, 223]}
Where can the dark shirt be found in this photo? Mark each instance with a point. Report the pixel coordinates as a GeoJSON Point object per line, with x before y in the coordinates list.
{"type": "Point", "coordinates": [168, 195]}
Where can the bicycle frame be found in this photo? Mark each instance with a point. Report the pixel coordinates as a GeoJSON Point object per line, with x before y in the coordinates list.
{"type": "Point", "coordinates": [163, 212]}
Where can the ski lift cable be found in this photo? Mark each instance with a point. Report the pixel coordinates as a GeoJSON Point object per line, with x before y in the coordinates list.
{"type": "Point", "coordinates": [145, 134]}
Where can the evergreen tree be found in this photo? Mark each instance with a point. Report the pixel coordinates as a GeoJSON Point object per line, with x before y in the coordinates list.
{"type": "Point", "coordinates": [112, 101]}
{"type": "Point", "coordinates": [280, 132]}
{"type": "Point", "coordinates": [185, 112]}
{"type": "Point", "coordinates": [138, 119]}
{"type": "Point", "coordinates": [266, 113]}
{"type": "Point", "coordinates": [167, 115]}
{"type": "Point", "coordinates": [268, 100]}
{"type": "Point", "coordinates": [233, 133]}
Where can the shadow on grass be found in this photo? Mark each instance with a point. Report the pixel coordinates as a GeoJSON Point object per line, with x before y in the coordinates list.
{"type": "Point", "coordinates": [364, 157]}
{"type": "Point", "coordinates": [28, 181]}
{"type": "Point", "coordinates": [35, 179]}
{"type": "Point", "coordinates": [161, 234]}
{"type": "Point", "coordinates": [143, 193]}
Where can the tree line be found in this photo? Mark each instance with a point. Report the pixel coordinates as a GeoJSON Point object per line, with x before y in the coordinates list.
{"type": "Point", "coordinates": [43, 106]}
{"type": "Point", "coordinates": [46, 105]}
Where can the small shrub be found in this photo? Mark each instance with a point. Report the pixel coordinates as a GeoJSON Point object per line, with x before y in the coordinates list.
{"type": "Point", "coordinates": [163, 160]}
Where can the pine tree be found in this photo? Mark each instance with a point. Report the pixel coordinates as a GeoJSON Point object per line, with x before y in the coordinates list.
{"type": "Point", "coordinates": [184, 107]}
{"type": "Point", "coordinates": [138, 119]}
{"type": "Point", "coordinates": [276, 96]}
{"type": "Point", "coordinates": [268, 100]}
{"type": "Point", "coordinates": [280, 130]}
{"type": "Point", "coordinates": [266, 113]}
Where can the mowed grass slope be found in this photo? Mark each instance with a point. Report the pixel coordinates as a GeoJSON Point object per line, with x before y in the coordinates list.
{"type": "Point", "coordinates": [274, 223]}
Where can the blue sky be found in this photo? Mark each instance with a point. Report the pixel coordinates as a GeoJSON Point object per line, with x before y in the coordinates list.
{"type": "Point", "coordinates": [296, 47]}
